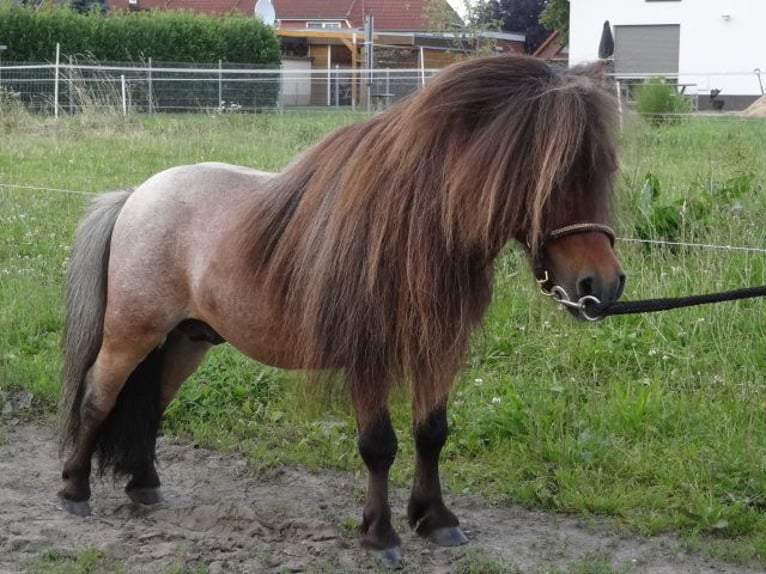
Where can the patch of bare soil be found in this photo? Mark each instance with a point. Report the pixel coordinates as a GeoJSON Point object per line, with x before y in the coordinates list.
{"type": "Point", "coordinates": [220, 514]}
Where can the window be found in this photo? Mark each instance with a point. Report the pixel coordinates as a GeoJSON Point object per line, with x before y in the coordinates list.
{"type": "Point", "coordinates": [323, 25]}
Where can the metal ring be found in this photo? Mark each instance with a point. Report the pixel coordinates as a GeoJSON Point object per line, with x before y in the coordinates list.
{"type": "Point", "coordinates": [583, 306]}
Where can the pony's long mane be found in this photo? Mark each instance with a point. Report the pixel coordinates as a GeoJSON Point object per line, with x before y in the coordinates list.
{"type": "Point", "coordinates": [380, 238]}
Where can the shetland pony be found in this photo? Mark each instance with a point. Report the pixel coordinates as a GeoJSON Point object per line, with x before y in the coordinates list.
{"type": "Point", "coordinates": [371, 255]}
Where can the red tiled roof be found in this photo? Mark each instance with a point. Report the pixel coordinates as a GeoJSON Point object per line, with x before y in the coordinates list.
{"type": "Point", "coordinates": [398, 15]}
{"type": "Point", "coordinates": [313, 9]}
{"type": "Point", "coordinates": [550, 48]}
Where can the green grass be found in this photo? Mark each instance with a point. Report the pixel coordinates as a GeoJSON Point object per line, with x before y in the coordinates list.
{"type": "Point", "coordinates": [657, 420]}
{"type": "Point", "coordinates": [89, 561]}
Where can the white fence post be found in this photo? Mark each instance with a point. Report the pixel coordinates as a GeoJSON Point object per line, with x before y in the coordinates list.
{"type": "Point", "coordinates": [337, 85]}
{"type": "Point", "coordinates": [422, 68]}
{"type": "Point", "coordinates": [329, 75]}
{"type": "Point", "coordinates": [70, 85]}
{"type": "Point", "coordinates": [619, 103]}
{"type": "Point", "coordinates": [56, 81]}
{"type": "Point", "coordinates": [150, 97]}
{"type": "Point", "coordinates": [124, 95]}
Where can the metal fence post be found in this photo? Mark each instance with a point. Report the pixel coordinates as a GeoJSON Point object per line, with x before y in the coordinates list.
{"type": "Point", "coordinates": [124, 95]}
{"type": "Point", "coordinates": [56, 81]}
{"type": "Point", "coordinates": [150, 96]}
{"type": "Point", "coordinates": [337, 85]}
{"type": "Point", "coordinates": [70, 85]}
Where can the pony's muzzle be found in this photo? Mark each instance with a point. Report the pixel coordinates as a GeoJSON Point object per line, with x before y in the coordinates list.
{"type": "Point", "coordinates": [606, 289]}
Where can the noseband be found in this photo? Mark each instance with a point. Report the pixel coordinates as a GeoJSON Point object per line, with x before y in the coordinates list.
{"type": "Point", "coordinates": [558, 293]}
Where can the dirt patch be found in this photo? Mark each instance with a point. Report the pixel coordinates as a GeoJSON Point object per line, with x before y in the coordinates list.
{"type": "Point", "coordinates": [220, 515]}
{"type": "Point", "coordinates": [757, 109]}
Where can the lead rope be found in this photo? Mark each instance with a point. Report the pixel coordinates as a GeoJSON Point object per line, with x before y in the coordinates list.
{"type": "Point", "coordinates": [590, 307]}
{"type": "Point", "coordinates": [666, 303]}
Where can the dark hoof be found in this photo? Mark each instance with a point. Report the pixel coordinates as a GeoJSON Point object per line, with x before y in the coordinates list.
{"type": "Point", "coordinates": [76, 507]}
{"type": "Point", "coordinates": [450, 536]}
{"type": "Point", "coordinates": [148, 495]}
{"type": "Point", "coordinates": [390, 557]}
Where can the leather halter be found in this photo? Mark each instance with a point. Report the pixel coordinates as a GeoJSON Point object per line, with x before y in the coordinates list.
{"type": "Point", "coordinates": [548, 287]}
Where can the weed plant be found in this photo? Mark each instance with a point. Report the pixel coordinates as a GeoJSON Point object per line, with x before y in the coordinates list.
{"type": "Point", "coordinates": [657, 420]}
{"type": "Point", "coordinates": [658, 102]}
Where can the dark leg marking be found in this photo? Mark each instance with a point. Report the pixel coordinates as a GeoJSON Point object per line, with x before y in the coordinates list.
{"type": "Point", "coordinates": [377, 446]}
{"type": "Point", "coordinates": [426, 510]}
{"type": "Point", "coordinates": [76, 472]}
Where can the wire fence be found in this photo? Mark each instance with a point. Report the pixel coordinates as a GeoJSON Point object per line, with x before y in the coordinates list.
{"type": "Point", "coordinates": [711, 246]}
{"type": "Point", "coordinates": [72, 87]}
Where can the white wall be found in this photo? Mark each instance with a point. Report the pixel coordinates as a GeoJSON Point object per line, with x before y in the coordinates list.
{"type": "Point", "coordinates": [715, 52]}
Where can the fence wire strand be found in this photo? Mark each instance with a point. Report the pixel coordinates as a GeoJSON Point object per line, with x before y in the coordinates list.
{"type": "Point", "coordinates": [624, 239]}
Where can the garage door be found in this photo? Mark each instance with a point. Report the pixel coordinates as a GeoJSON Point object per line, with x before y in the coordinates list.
{"type": "Point", "coordinates": [646, 49]}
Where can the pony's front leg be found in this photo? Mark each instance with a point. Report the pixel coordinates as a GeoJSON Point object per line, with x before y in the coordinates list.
{"type": "Point", "coordinates": [426, 510]}
{"type": "Point", "coordinates": [377, 446]}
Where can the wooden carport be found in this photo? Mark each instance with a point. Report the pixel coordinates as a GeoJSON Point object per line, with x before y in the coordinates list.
{"type": "Point", "coordinates": [328, 48]}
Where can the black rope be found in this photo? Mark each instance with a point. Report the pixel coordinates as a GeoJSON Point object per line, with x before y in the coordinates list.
{"type": "Point", "coordinates": [666, 303]}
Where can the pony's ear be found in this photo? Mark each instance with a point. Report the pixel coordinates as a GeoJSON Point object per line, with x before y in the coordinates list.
{"type": "Point", "coordinates": [593, 70]}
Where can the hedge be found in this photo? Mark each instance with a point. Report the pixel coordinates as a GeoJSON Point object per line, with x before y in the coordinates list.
{"type": "Point", "coordinates": [236, 40]}
{"type": "Point", "coordinates": [171, 36]}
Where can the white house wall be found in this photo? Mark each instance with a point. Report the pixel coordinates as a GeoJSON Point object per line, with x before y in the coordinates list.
{"type": "Point", "coordinates": [721, 42]}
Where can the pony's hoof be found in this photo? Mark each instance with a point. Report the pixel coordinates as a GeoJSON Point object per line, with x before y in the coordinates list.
{"type": "Point", "coordinates": [147, 495]}
{"type": "Point", "coordinates": [390, 557]}
{"type": "Point", "coordinates": [450, 536]}
{"type": "Point", "coordinates": [76, 507]}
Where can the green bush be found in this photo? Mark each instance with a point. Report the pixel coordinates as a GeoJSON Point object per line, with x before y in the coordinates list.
{"type": "Point", "coordinates": [181, 38]}
{"type": "Point", "coordinates": [170, 36]}
{"type": "Point", "coordinates": [659, 102]}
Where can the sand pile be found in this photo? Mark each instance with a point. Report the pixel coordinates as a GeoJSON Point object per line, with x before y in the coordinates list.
{"type": "Point", "coordinates": [757, 109]}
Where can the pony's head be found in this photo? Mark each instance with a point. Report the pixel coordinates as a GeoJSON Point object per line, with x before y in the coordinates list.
{"type": "Point", "coordinates": [529, 155]}
{"type": "Point", "coordinates": [571, 244]}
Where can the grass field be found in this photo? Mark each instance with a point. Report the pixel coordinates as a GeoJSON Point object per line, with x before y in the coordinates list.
{"type": "Point", "coordinates": [657, 420]}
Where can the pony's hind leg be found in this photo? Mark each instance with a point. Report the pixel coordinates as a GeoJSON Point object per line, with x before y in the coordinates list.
{"type": "Point", "coordinates": [377, 446]}
{"type": "Point", "coordinates": [102, 385]}
{"type": "Point", "coordinates": [181, 353]}
{"type": "Point", "coordinates": [426, 511]}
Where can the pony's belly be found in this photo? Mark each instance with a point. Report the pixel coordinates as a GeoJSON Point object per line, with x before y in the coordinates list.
{"type": "Point", "coordinates": [251, 325]}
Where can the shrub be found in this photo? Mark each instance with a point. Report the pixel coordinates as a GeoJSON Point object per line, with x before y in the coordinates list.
{"type": "Point", "coordinates": [659, 102]}
{"type": "Point", "coordinates": [170, 36]}
{"type": "Point", "coordinates": [180, 38]}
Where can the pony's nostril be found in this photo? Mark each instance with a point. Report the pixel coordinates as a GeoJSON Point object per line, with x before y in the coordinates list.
{"type": "Point", "coordinates": [620, 286]}
{"type": "Point", "coordinates": [585, 286]}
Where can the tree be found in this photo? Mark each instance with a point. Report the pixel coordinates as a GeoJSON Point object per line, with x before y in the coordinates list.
{"type": "Point", "coordinates": [555, 16]}
{"type": "Point", "coordinates": [467, 34]}
{"type": "Point", "coordinates": [519, 16]}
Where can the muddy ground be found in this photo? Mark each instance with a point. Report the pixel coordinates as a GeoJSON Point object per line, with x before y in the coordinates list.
{"type": "Point", "coordinates": [220, 515]}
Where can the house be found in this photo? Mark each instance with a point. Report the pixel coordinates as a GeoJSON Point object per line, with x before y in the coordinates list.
{"type": "Point", "coordinates": [552, 50]}
{"type": "Point", "coordinates": [712, 49]}
{"type": "Point", "coordinates": [326, 39]}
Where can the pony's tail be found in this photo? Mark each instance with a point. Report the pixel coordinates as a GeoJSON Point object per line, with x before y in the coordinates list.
{"type": "Point", "coordinates": [85, 303]}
